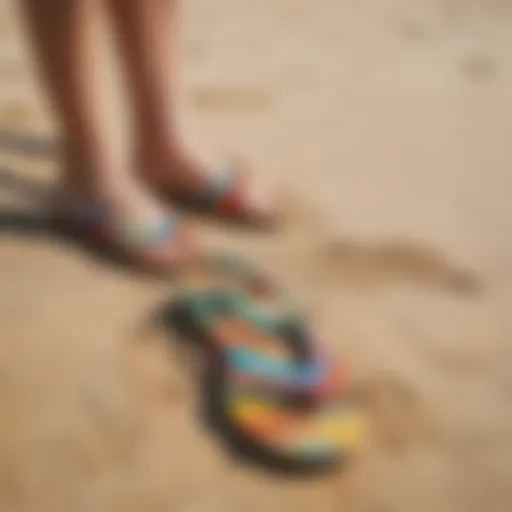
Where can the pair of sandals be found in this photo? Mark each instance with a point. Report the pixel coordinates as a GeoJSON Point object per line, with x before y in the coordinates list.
{"type": "Point", "coordinates": [227, 196]}
{"type": "Point", "coordinates": [273, 384]}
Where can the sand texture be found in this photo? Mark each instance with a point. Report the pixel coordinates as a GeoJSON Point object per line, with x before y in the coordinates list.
{"type": "Point", "coordinates": [389, 122]}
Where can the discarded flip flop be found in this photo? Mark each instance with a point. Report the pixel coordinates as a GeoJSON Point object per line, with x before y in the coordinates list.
{"type": "Point", "coordinates": [253, 299]}
{"type": "Point", "coordinates": [272, 388]}
{"type": "Point", "coordinates": [257, 347]}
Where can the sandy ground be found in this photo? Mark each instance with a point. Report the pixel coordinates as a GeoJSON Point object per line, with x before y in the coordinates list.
{"type": "Point", "coordinates": [390, 122]}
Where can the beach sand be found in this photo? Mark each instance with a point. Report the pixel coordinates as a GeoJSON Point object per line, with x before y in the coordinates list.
{"type": "Point", "coordinates": [389, 123]}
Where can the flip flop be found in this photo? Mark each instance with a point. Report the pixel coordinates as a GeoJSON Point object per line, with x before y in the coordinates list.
{"type": "Point", "coordinates": [230, 196]}
{"type": "Point", "coordinates": [95, 224]}
{"type": "Point", "coordinates": [223, 281]}
{"type": "Point", "coordinates": [266, 397]}
{"type": "Point", "coordinates": [256, 345]}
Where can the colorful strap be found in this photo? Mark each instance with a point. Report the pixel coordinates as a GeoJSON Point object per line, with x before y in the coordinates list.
{"type": "Point", "coordinates": [303, 371]}
{"type": "Point", "coordinates": [219, 302]}
{"type": "Point", "coordinates": [334, 382]}
{"type": "Point", "coordinates": [149, 233]}
{"type": "Point", "coordinates": [221, 195]}
{"type": "Point", "coordinates": [97, 219]}
{"type": "Point", "coordinates": [221, 183]}
{"type": "Point", "coordinates": [315, 436]}
{"type": "Point", "coordinates": [284, 372]}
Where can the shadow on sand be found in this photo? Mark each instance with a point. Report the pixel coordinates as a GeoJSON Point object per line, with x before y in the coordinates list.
{"type": "Point", "coordinates": [30, 222]}
{"type": "Point", "coordinates": [35, 222]}
{"type": "Point", "coordinates": [28, 145]}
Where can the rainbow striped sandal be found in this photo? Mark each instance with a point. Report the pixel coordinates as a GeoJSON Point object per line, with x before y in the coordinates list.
{"type": "Point", "coordinates": [260, 313]}
{"type": "Point", "coordinates": [96, 225]}
{"type": "Point", "coordinates": [231, 196]}
{"type": "Point", "coordinates": [273, 387]}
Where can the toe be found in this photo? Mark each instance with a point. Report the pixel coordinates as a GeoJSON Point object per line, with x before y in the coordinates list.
{"type": "Point", "coordinates": [261, 204]}
{"type": "Point", "coordinates": [177, 251]}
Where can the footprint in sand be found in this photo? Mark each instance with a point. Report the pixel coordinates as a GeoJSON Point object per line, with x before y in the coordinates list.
{"type": "Point", "coordinates": [232, 98]}
{"type": "Point", "coordinates": [383, 261]}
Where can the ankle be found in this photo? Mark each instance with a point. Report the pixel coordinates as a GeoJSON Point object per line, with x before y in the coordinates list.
{"type": "Point", "coordinates": [90, 170]}
{"type": "Point", "coordinates": [160, 144]}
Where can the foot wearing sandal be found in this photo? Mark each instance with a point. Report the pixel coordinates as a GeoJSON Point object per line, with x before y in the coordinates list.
{"type": "Point", "coordinates": [123, 219]}
{"type": "Point", "coordinates": [225, 192]}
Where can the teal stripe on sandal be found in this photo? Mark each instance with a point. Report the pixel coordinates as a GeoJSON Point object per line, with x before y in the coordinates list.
{"type": "Point", "coordinates": [286, 372]}
{"type": "Point", "coordinates": [219, 185]}
{"type": "Point", "coordinates": [149, 233]}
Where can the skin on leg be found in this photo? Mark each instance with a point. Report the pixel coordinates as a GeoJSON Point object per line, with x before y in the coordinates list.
{"type": "Point", "coordinates": [147, 29]}
{"type": "Point", "coordinates": [65, 44]}
{"type": "Point", "coordinates": [65, 40]}
{"type": "Point", "coordinates": [146, 33]}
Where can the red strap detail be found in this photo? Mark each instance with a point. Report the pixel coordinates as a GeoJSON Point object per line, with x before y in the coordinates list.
{"type": "Point", "coordinates": [232, 203]}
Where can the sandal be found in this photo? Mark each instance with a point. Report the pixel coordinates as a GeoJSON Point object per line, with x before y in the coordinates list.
{"type": "Point", "coordinates": [133, 241]}
{"type": "Point", "coordinates": [222, 281]}
{"type": "Point", "coordinates": [274, 384]}
{"type": "Point", "coordinates": [262, 352]}
{"type": "Point", "coordinates": [230, 196]}
{"type": "Point", "coordinates": [279, 396]}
